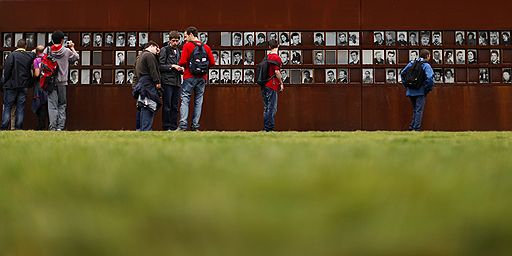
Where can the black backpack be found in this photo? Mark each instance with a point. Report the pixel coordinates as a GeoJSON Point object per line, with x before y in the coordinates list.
{"type": "Point", "coordinates": [262, 76]}
{"type": "Point", "coordinates": [199, 61]}
{"type": "Point", "coordinates": [415, 76]}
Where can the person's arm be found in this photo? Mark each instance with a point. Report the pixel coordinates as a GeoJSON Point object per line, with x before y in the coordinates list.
{"type": "Point", "coordinates": [74, 55]}
{"type": "Point", "coordinates": [403, 72]}
{"type": "Point", "coordinates": [210, 56]}
{"type": "Point", "coordinates": [429, 81]}
{"type": "Point", "coordinates": [185, 55]}
{"type": "Point", "coordinates": [164, 68]}
{"type": "Point", "coordinates": [8, 65]}
{"type": "Point", "coordinates": [37, 68]}
{"type": "Point", "coordinates": [279, 77]}
{"type": "Point", "coordinates": [153, 68]}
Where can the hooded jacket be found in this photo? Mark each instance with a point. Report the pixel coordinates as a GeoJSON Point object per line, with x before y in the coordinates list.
{"type": "Point", "coordinates": [64, 56]}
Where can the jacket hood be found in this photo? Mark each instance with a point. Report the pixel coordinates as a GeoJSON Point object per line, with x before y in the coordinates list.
{"type": "Point", "coordinates": [57, 51]}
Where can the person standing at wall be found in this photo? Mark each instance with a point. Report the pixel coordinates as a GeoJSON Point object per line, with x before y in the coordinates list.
{"type": "Point", "coordinates": [40, 100]}
{"type": "Point", "coordinates": [171, 81]}
{"type": "Point", "coordinates": [191, 82]}
{"type": "Point", "coordinates": [418, 94]}
{"type": "Point", "coordinates": [16, 80]}
{"type": "Point", "coordinates": [274, 84]}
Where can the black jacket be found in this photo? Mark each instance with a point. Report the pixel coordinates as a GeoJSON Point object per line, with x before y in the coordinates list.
{"type": "Point", "coordinates": [168, 57]}
{"type": "Point", "coordinates": [18, 70]}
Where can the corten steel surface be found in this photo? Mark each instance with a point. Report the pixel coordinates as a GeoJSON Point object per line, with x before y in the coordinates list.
{"type": "Point", "coordinates": [301, 107]}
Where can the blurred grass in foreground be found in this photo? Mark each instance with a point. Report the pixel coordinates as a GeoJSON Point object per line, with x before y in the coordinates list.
{"type": "Point", "coordinates": [214, 193]}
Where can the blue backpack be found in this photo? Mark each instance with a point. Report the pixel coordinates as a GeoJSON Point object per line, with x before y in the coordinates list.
{"type": "Point", "coordinates": [199, 62]}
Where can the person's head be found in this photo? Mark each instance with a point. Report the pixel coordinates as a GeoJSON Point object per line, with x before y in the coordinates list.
{"type": "Point", "coordinates": [391, 74]}
{"type": "Point", "coordinates": [203, 37]}
{"type": "Point", "coordinates": [39, 49]}
{"type": "Point", "coordinates": [191, 34]}
{"type": "Point", "coordinates": [437, 55]}
{"type": "Point", "coordinates": [249, 38]}
{"type": "Point", "coordinates": [249, 75]}
{"type": "Point", "coordinates": [226, 74]}
{"type": "Point", "coordinates": [57, 37]}
{"type": "Point", "coordinates": [120, 56]}
{"type": "Point", "coordinates": [214, 74]}
{"type": "Point", "coordinates": [437, 75]}
{"type": "Point", "coordinates": [174, 39]}
{"type": "Point", "coordinates": [401, 37]}
{"type": "Point", "coordinates": [109, 38]}
{"type": "Point", "coordinates": [272, 36]}
{"type": "Point", "coordinates": [74, 75]}
{"type": "Point", "coordinates": [225, 55]}
{"type": "Point", "coordinates": [8, 39]}
{"type": "Point", "coordinates": [261, 38]}
{"type": "Point", "coordinates": [425, 54]}
{"type": "Point", "coordinates": [295, 38]}
{"type": "Point", "coordinates": [460, 55]}
{"type": "Point", "coordinates": [378, 55]}
{"type": "Point", "coordinates": [120, 76]}
{"type": "Point", "coordinates": [86, 38]}
{"type": "Point", "coordinates": [494, 56]}
{"type": "Point", "coordinates": [471, 36]}
{"type": "Point", "coordinates": [436, 37]}
{"type": "Point", "coordinates": [152, 47]}
{"type": "Point", "coordinates": [215, 56]}
{"type": "Point", "coordinates": [448, 73]}
{"type": "Point", "coordinates": [97, 38]}
{"type": "Point", "coordinates": [319, 56]}
{"type": "Point", "coordinates": [505, 36]}
{"type": "Point", "coordinates": [471, 55]}
{"type": "Point", "coordinates": [342, 73]}
{"type": "Point", "coordinates": [285, 56]}
{"type": "Point", "coordinates": [425, 39]}
{"type": "Point", "coordinates": [284, 73]}
{"type": "Point", "coordinates": [389, 36]}
{"type": "Point", "coordinates": [237, 38]}
{"type": "Point", "coordinates": [21, 44]}
{"type": "Point", "coordinates": [272, 44]}
{"type": "Point", "coordinates": [354, 55]}
{"type": "Point", "coordinates": [330, 75]}
{"type": "Point", "coordinates": [459, 37]}
{"type": "Point", "coordinates": [378, 37]}
{"type": "Point", "coordinates": [506, 75]}
{"type": "Point", "coordinates": [342, 37]}
{"type": "Point", "coordinates": [284, 38]}
{"type": "Point", "coordinates": [120, 39]}
{"type": "Point", "coordinates": [97, 75]}
{"type": "Point", "coordinates": [494, 38]}
{"type": "Point", "coordinates": [237, 75]}
{"type": "Point", "coordinates": [414, 55]}
{"type": "Point", "coordinates": [319, 37]}
{"type": "Point", "coordinates": [413, 37]}
{"type": "Point", "coordinates": [130, 74]}
{"type": "Point", "coordinates": [391, 55]}
{"type": "Point", "coordinates": [132, 40]}
{"type": "Point", "coordinates": [249, 56]}
{"type": "Point", "coordinates": [367, 73]}
{"type": "Point", "coordinates": [307, 73]}
{"type": "Point", "coordinates": [448, 54]}
{"type": "Point", "coordinates": [237, 56]}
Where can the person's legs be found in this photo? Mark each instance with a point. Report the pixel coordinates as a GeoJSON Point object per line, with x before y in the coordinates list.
{"type": "Point", "coordinates": [186, 91]}
{"type": "Point", "coordinates": [20, 107]}
{"type": "Point", "coordinates": [53, 112]}
{"type": "Point", "coordinates": [418, 112]}
{"type": "Point", "coordinates": [269, 108]}
{"type": "Point", "coordinates": [166, 107]}
{"type": "Point", "coordinates": [199, 86]}
{"type": "Point", "coordinates": [62, 103]}
{"type": "Point", "coordinates": [146, 119]}
{"type": "Point", "coordinates": [137, 119]}
{"type": "Point", "coordinates": [9, 99]}
{"type": "Point", "coordinates": [175, 101]}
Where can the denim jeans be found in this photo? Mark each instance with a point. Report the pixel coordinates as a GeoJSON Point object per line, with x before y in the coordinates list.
{"type": "Point", "coordinates": [418, 105]}
{"type": "Point", "coordinates": [11, 96]}
{"type": "Point", "coordinates": [171, 99]}
{"type": "Point", "coordinates": [146, 119]}
{"type": "Point", "coordinates": [57, 103]}
{"type": "Point", "coordinates": [269, 108]}
{"type": "Point", "coordinates": [196, 85]}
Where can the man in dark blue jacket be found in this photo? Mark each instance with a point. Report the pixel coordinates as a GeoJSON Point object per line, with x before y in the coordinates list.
{"type": "Point", "coordinates": [16, 80]}
{"type": "Point", "coordinates": [418, 96]}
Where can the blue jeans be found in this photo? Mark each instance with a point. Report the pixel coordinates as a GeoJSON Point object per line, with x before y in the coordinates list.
{"type": "Point", "coordinates": [171, 98]}
{"type": "Point", "coordinates": [196, 85]}
{"type": "Point", "coordinates": [269, 108]}
{"type": "Point", "coordinates": [146, 119]}
{"type": "Point", "coordinates": [18, 95]}
{"type": "Point", "coordinates": [418, 105]}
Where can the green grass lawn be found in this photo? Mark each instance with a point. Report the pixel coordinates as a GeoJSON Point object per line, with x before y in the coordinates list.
{"type": "Point", "coordinates": [244, 194]}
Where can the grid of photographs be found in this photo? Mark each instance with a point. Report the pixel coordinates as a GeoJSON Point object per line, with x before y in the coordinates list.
{"type": "Point", "coordinates": [309, 57]}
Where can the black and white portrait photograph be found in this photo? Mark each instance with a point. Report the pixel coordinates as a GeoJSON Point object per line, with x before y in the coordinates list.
{"type": "Point", "coordinates": [273, 36]}
{"type": "Point", "coordinates": [285, 57]}
{"type": "Point", "coordinates": [295, 38]}
{"type": "Point", "coordinates": [203, 36]}
{"type": "Point", "coordinates": [213, 76]}
{"type": "Point", "coordinates": [284, 39]}
{"type": "Point", "coordinates": [119, 76]}
{"type": "Point", "coordinates": [249, 39]}
{"type": "Point", "coordinates": [225, 38]}
{"type": "Point", "coordinates": [248, 57]}
{"type": "Point", "coordinates": [391, 76]}
{"type": "Point", "coordinates": [49, 38]}
{"type": "Point", "coordinates": [460, 38]}
{"type": "Point", "coordinates": [367, 76]}
{"type": "Point", "coordinates": [353, 38]}
{"type": "Point", "coordinates": [460, 57]}
{"type": "Point", "coordinates": [225, 57]}
{"type": "Point", "coordinates": [132, 39]}
{"type": "Point", "coordinates": [330, 76]}
{"type": "Point", "coordinates": [391, 57]}
{"type": "Point", "coordinates": [237, 39]}
{"type": "Point", "coordinates": [296, 57]}
{"type": "Point", "coordinates": [472, 56]}
{"type": "Point", "coordinates": [261, 38]}
{"type": "Point", "coordinates": [85, 76]}
{"type": "Point", "coordinates": [330, 57]}
{"type": "Point", "coordinates": [98, 39]}
{"type": "Point", "coordinates": [120, 58]}
{"type": "Point", "coordinates": [390, 38]}
{"type": "Point", "coordinates": [216, 57]}
{"type": "Point", "coordinates": [425, 38]}
{"type": "Point", "coordinates": [495, 56]}
{"type": "Point", "coordinates": [354, 57]}
{"type": "Point", "coordinates": [30, 40]}
{"type": "Point", "coordinates": [66, 39]}
{"type": "Point", "coordinates": [109, 39]}
{"type": "Point", "coordinates": [143, 38]}
{"type": "Point", "coordinates": [237, 76]}
{"type": "Point", "coordinates": [437, 57]}
{"type": "Point", "coordinates": [7, 40]}
{"type": "Point", "coordinates": [86, 40]}
{"type": "Point", "coordinates": [85, 57]}
{"type": "Point", "coordinates": [378, 38]}
{"type": "Point", "coordinates": [225, 76]}
{"type": "Point", "coordinates": [249, 76]}
{"type": "Point", "coordinates": [17, 37]}
{"type": "Point", "coordinates": [165, 38]}
{"type": "Point", "coordinates": [96, 76]}
{"type": "Point", "coordinates": [471, 38]}
{"type": "Point", "coordinates": [5, 55]}
{"type": "Point", "coordinates": [438, 75]}
{"type": "Point", "coordinates": [330, 38]}
{"type": "Point", "coordinates": [437, 38]}
{"type": "Point", "coordinates": [402, 38]}
{"type": "Point", "coordinates": [182, 39]}
{"type": "Point", "coordinates": [73, 76]}
{"type": "Point", "coordinates": [483, 38]}
{"type": "Point", "coordinates": [342, 57]}
{"type": "Point", "coordinates": [413, 38]}
{"type": "Point", "coordinates": [307, 76]}
{"type": "Point", "coordinates": [378, 57]}
{"type": "Point", "coordinates": [342, 39]}
{"type": "Point", "coordinates": [505, 38]}
{"type": "Point", "coordinates": [449, 75]}
{"type": "Point", "coordinates": [483, 77]}
{"type": "Point", "coordinates": [318, 57]}
{"type": "Point", "coordinates": [413, 55]}
{"type": "Point", "coordinates": [285, 76]}
{"type": "Point", "coordinates": [237, 58]}
{"type": "Point", "coordinates": [448, 57]}
{"type": "Point", "coordinates": [130, 76]}
{"type": "Point", "coordinates": [506, 76]}
{"type": "Point", "coordinates": [367, 57]}
{"type": "Point", "coordinates": [120, 39]}
{"type": "Point", "coordinates": [343, 77]}
{"type": "Point", "coordinates": [494, 38]}
{"type": "Point", "coordinates": [319, 39]}
{"type": "Point", "coordinates": [41, 38]}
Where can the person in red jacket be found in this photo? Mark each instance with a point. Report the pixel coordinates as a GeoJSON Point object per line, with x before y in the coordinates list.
{"type": "Point", "coordinates": [275, 84]}
{"type": "Point", "coordinates": [192, 83]}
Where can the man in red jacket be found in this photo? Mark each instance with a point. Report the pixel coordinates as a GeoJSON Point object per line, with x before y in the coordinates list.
{"type": "Point", "coordinates": [275, 84]}
{"type": "Point", "coordinates": [191, 82]}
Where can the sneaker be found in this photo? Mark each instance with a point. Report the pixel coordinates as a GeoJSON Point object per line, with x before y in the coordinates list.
{"type": "Point", "coordinates": [179, 129]}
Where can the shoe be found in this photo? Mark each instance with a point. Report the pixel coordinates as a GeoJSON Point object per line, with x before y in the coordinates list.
{"type": "Point", "coordinates": [179, 129]}
{"type": "Point", "coordinates": [195, 130]}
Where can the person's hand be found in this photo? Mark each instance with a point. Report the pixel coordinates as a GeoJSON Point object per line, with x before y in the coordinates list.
{"type": "Point", "coordinates": [281, 87]}
{"type": "Point", "coordinates": [71, 44]}
{"type": "Point", "coordinates": [158, 86]}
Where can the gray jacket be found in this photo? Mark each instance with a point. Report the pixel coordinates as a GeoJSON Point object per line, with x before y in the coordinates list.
{"type": "Point", "coordinates": [64, 56]}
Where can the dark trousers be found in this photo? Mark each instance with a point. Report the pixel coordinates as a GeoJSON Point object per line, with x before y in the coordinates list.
{"type": "Point", "coordinates": [12, 96]}
{"type": "Point", "coordinates": [269, 108]}
{"type": "Point", "coordinates": [171, 98]}
{"type": "Point", "coordinates": [146, 119]}
{"type": "Point", "coordinates": [418, 105]}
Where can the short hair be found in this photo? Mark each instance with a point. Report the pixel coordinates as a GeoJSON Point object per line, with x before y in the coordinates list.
{"type": "Point", "coordinates": [7, 36]}
{"type": "Point", "coordinates": [330, 72]}
{"type": "Point", "coordinates": [378, 33]}
{"type": "Point", "coordinates": [237, 35]}
{"type": "Point", "coordinates": [285, 52]}
{"type": "Point", "coordinates": [294, 34]}
{"type": "Point", "coordinates": [424, 53]}
{"type": "Point", "coordinates": [120, 72]}
{"type": "Point", "coordinates": [238, 71]}
{"type": "Point", "coordinates": [249, 73]}
{"type": "Point", "coordinates": [436, 33]}
{"type": "Point", "coordinates": [225, 71]}
{"type": "Point", "coordinates": [493, 51]}
{"type": "Point", "coordinates": [237, 53]}
{"type": "Point", "coordinates": [151, 43]}
{"type": "Point", "coordinates": [319, 34]}
{"type": "Point", "coordinates": [174, 35]}
{"type": "Point", "coordinates": [57, 37]}
{"type": "Point", "coordinates": [21, 43]}
{"type": "Point", "coordinates": [95, 72]}
{"type": "Point", "coordinates": [458, 33]}
{"type": "Point", "coordinates": [392, 52]}
{"type": "Point", "coordinates": [272, 44]}
{"type": "Point", "coordinates": [120, 53]}
{"type": "Point", "coordinates": [356, 52]}
{"type": "Point", "coordinates": [215, 71]}
{"type": "Point", "coordinates": [191, 30]}
{"type": "Point", "coordinates": [261, 35]}
{"type": "Point", "coordinates": [247, 36]}
{"type": "Point", "coordinates": [74, 71]}
{"type": "Point", "coordinates": [391, 71]}
{"type": "Point", "coordinates": [39, 49]}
